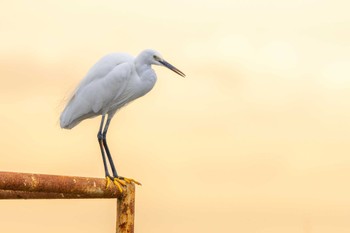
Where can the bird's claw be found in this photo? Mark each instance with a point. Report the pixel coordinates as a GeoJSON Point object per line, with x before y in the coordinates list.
{"type": "Point", "coordinates": [108, 181]}
{"type": "Point", "coordinates": [129, 181]}
{"type": "Point", "coordinates": [120, 181]}
{"type": "Point", "coordinates": [117, 181]}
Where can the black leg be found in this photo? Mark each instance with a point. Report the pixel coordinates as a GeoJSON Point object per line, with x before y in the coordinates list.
{"type": "Point", "coordinates": [100, 141]}
{"type": "Point", "coordinates": [115, 174]}
{"type": "Point", "coordinates": [101, 136]}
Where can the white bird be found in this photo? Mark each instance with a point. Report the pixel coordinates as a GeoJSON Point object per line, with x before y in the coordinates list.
{"type": "Point", "coordinates": [114, 81]}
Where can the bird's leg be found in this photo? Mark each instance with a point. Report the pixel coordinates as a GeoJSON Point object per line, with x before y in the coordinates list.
{"type": "Point", "coordinates": [104, 134]}
{"type": "Point", "coordinates": [100, 142]}
{"type": "Point", "coordinates": [118, 180]}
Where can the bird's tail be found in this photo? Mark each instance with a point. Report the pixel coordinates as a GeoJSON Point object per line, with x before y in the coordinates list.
{"type": "Point", "coordinates": [70, 118]}
{"type": "Point", "coordinates": [65, 121]}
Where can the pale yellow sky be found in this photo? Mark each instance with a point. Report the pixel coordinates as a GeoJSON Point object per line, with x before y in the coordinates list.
{"type": "Point", "coordinates": [254, 139]}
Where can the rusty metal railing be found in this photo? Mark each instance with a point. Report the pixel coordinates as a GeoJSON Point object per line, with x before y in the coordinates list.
{"type": "Point", "coordinates": [37, 186]}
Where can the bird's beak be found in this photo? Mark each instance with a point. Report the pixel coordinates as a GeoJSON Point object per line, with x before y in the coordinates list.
{"type": "Point", "coordinates": [173, 68]}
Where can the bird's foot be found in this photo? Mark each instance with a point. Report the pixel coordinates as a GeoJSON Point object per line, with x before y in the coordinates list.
{"type": "Point", "coordinates": [120, 181]}
{"type": "Point", "coordinates": [129, 180]}
{"type": "Point", "coordinates": [117, 181]}
{"type": "Point", "coordinates": [108, 181]}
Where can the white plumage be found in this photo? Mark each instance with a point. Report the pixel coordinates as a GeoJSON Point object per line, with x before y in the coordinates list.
{"type": "Point", "coordinates": [109, 84]}
{"type": "Point", "coordinates": [115, 80]}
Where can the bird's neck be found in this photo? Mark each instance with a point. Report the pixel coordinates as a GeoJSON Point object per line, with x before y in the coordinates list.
{"type": "Point", "coordinates": [147, 77]}
{"type": "Point", "coordinates": [142, 68]}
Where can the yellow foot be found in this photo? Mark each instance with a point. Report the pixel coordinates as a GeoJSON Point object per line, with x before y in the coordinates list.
{"type": "Point", "coordinates": [119, 183]}
{"type": "Point", "coordinates": [108, 181]}
{"type": "Point", "coordinates": [129, 181]}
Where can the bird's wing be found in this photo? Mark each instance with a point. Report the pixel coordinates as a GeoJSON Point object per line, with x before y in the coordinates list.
{"type": "Point", "coordinates": [96, 93]}
{"type": "Point", "coordinates": [102, 67]}
{"type": "Point", "coordinates": [108, 90]}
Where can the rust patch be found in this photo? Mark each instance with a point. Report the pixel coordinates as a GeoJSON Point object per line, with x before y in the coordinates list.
{"type": "Point", "coordinates": [132, 207]}
{"type": "Point", "coordinates": [122, 226]}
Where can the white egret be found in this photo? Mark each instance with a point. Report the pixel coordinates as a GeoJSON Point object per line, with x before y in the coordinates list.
{"type": "Point", "coordinates": [114, 81]}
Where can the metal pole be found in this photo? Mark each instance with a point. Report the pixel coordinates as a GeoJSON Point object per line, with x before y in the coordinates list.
{"type": "Point", "coordinates": [126, 211]}
{"type": "Point", "coordinates": [38, 186]}
{"type": "Point", "coordinates": [84, 186]}
{"type": "Point", "coordinates": [13, 194]}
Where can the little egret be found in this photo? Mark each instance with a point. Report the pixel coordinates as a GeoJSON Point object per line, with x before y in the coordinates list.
{"type": "Point", "coordinates": [114, 81]}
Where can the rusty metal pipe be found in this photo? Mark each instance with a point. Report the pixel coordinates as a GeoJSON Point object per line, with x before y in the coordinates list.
{"type": "Point", "coordinates": [126, 211]}
{"type": "Point", "coordinates": [38, 186]}
{"type": "Point", "coordinates": [78, 187]}
{"type": "Point", "coordinates": [15, 194]}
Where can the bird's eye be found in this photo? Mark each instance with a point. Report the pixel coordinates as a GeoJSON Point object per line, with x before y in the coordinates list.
{"type": "Point", "coordinates": [155, 57]}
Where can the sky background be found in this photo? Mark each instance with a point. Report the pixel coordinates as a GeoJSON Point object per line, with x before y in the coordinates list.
{"type": "Point", "coordinates": [254, 139]}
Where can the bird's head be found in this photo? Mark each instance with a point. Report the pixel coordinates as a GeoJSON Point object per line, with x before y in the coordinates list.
{"type": "Point", "coordinates": [153, 57]}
